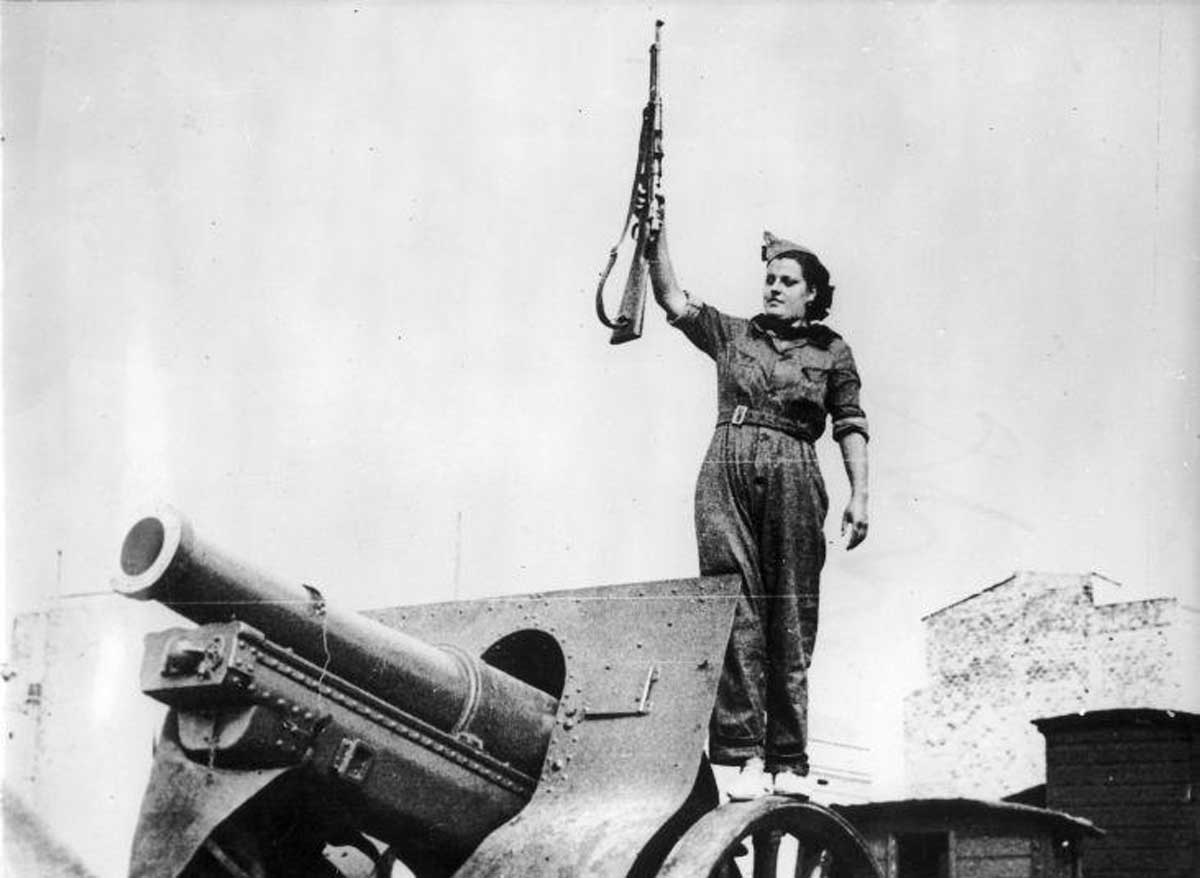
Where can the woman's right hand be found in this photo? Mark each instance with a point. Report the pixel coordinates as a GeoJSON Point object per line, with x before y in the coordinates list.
{"type": "Point", "coordinates": [655, 214]}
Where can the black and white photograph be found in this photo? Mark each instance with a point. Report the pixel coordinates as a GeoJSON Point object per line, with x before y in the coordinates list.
{"type": "Point", "coordinates": [614, 440]}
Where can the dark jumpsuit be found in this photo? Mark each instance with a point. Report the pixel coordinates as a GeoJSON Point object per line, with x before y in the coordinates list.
{"type": "Point", "coordinates": [760, 508]}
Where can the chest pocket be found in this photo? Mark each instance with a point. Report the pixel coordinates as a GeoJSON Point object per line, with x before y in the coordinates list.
{"type": "Point", "coordinates": [745, 372]}
{"type": "Point", "coordinates": [800, 377]}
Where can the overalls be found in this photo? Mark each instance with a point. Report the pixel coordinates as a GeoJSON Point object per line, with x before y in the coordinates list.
{"type": "Point", "coordinates": [760, 510]}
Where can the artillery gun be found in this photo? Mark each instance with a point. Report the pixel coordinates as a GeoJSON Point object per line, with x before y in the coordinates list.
{"type": "Point", "coordinates": [554, 734]}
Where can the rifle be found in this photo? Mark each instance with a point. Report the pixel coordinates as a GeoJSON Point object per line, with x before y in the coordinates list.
{"type": "Point", "coordinates": [643, 213]}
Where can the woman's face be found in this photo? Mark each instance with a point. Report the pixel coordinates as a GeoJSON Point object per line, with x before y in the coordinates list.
{"type": "Point", "coordinates": [785, 293]}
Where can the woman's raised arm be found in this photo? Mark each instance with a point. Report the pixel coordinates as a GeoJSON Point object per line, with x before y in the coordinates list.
{"type": "Point", "coordinates": [667, 292]}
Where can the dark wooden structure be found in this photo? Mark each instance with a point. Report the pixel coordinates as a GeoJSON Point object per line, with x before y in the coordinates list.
{"type": "Point", "coordinates": [970, 838]}
{"type": "Point", "coordinates": [1136, 773]}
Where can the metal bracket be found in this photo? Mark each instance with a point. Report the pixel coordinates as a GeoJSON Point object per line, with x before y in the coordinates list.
{"type": "Point", "coordinates": [187, 657]}
{"type": "Point", "coordinates": [352, 760]}
{"type": "Point", "coordinates": [641, 700]}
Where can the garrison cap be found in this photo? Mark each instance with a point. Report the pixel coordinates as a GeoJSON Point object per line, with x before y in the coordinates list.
{"type": "Point", "coordinates": [773, 246]}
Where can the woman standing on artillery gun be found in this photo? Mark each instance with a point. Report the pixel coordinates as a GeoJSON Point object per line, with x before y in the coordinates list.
{"type": "Point", "coordinates": [761, 501]}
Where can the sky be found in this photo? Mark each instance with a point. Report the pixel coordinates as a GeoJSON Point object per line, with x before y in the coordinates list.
{"type": "Point", "coordinates": [321, 276]}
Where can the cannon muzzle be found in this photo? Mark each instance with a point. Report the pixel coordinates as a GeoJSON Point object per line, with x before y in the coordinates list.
{"type": "Point", "coordinates": [162, 560]}
{"type": "Point", "coordinates": [289, 712]}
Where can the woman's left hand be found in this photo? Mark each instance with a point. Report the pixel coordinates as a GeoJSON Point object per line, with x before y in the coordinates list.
{"type": "Point", "coordinates": [854, 520]}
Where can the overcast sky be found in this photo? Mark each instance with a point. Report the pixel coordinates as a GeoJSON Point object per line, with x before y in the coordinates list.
{"type": "Point", "coordinates": [321, 276]}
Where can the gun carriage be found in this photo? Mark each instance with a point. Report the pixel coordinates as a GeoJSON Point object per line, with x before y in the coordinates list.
{"type": "Point", "coordinates": [547, 734]}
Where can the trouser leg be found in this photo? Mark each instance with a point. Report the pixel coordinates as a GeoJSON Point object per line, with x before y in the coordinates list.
{"type": "Point", "coordinates": [792, 548]}
{"type": "Point", "coordinates": [793, 628]}
{"type": "Point", "coordinates": [727, 545]}
{"type": "Point", "coordinates": [737, 728]}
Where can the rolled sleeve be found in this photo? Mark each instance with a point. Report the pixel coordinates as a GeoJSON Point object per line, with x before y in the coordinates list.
{"type": "Point", "coordinates": [842, 399]}
{"type": "Point", "coordinates": [690, 313]}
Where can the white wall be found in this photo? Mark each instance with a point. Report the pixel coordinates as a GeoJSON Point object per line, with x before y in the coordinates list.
{"type": "Point", "coordinates": [78, 755]}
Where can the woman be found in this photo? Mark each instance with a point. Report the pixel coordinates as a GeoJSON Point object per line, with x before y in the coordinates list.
{"type": "Point", "coordinates": [761, 502]}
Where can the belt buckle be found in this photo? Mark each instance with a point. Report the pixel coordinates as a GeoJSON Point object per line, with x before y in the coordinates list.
{"type": "Point", "coordinates": [738, 416]}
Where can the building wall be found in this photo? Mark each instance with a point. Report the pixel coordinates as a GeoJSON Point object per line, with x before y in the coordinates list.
{"type": "Point", "coordinates": [1136, 775]}
{"type": "Point", "coordinates": [1034, 645]}
{"type": "Point", "coordinates": [840, 761]}
{"type": "Point", "coordinates": [977, 848]}
{"type": "Point", "coordinates": [79, 731]}
{"type": "Point", "coordinates": [980, 854]}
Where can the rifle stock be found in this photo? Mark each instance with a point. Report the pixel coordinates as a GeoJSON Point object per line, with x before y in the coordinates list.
{"type": "Point", "coordinates": [632, 312]}
{"type": "Point", "coordinates": [643, 213]}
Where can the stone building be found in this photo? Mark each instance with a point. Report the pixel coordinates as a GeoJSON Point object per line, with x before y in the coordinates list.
{"type": "Point", "coordinates": [1032, 646]}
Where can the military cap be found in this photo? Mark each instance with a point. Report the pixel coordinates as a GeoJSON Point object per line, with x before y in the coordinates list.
{"type": "Point", "coordinates": [773, 247]}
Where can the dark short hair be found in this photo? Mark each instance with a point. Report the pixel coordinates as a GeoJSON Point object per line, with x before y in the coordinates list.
{"type": "Point", "coordinates": [816, 276]}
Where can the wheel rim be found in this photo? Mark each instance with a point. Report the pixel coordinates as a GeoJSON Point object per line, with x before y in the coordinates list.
{"type": "Point", "coordinates": [770, 838]}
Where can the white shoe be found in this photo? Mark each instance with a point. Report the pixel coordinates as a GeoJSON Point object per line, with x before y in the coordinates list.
{"type": "Point", "coordinates": [752, 782]}
{"type": "Point", "coordinates": [796, 786]}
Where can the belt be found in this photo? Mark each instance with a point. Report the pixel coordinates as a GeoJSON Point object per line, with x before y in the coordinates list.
{"type": "Point", "coordinates": [755, 418]}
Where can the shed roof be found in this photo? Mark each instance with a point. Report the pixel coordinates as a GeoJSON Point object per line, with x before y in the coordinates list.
{"type": "Point", "coordinates": [962, 809]}
{"type": "Point", "coordinates": [1124, 716]}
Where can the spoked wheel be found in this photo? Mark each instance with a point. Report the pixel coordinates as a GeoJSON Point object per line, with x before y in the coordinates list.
{"type": "Point", "coordinates": [769, 838]}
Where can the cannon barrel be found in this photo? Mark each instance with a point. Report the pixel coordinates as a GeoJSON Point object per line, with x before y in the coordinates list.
{"type": "Point", "coordinates": [162, 560]}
